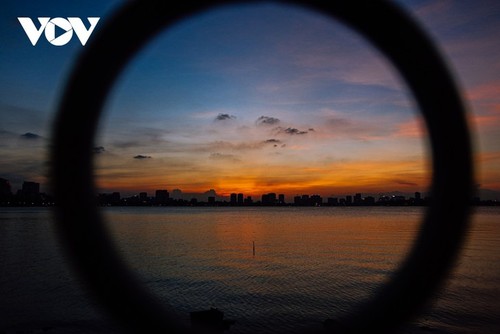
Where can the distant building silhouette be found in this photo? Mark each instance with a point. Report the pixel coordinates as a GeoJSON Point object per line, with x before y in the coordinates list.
{"type": "Point", "coordinates": [177, 194]}
{"type": "Point", "coordinates": [369, 200]}
{"type": "Point", "coordinates": [281, 199]}
{"type": "Point", "coordinates": [5, 192]}
{"type": "Point", "coordinates": [358, 199]}
{"type": "Point", "coordinates": [272, 198]}
{"type": "Point", "coordinates": [211, 200]}
{"type": "Point", "coordinates": [209, 193]}
{"type": "Point", "coordinates": [333, 201]}
{"type": "Point", "coordinates": [269, 199]}
{"type": "Point", "coordinates": [161, 197]}
{"type": "Point", "coordinates": [5, 189]}
{"type": "Point", "coordinates": [109, 199]}
{"type": "Point", "coordinates": [233, 199]}
{"type": "Point", "coordinates": [248, 200]}
{"type": "Point", "coordinates": [31, 188]}
{"type": "Point", "coordinates": [304, 200]}
{"type": "Point", "coordinates": [348, 200]}
{"type": "Point", "coordinates": [30, 195]}
{"type": "Point", "coordinates": [315, 200]}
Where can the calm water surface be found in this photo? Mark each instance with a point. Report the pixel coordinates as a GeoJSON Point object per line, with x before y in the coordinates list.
{"type": "Point", "coordinates": [310, 264]}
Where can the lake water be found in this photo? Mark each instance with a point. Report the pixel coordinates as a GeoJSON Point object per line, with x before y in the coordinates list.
{"type": "Point", "coordinates": [310, 264]}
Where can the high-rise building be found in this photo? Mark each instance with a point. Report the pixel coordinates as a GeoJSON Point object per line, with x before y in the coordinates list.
{"type": "Point", "coordinates": [211, 200]}
{"type": "Point", "coordinates": [304, 200]}
{"type": "Point", "coordinates": [334, 201]}
{"type": "Point", "coordinates": [5, 189]}
{"type": "Point", "coordinates": [31, 188]}
{"type": "Point", "coordinates": [265, 199]}
{"type": "Point", "coordinates": [369, 200]}
{"type": "Point", "coordinates": [272, 198]}
{"type": "Point", "coordinates": [357, 199]}
{"type": "Point", "coordinates": [248, 200]}
{"type": "Point", "coordinates": [240, 199]}
{"type": "Point", "coordinates": [348, 200]}
{"type": "Point", "coordinates": [315, 200]}
{"type": "Point", "coordinates": [233, 199]}
{"type": "Point", "coordinates": [161, 196]}
{"type": "Point", "coordinates": [281, 198]}
{"type": "Point", "coordinates": [297, 200]}
{"type": "Point", "coordinates": [269, 199]}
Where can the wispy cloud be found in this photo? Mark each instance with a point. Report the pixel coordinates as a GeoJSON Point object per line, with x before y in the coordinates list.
{"type": "Point", "coordinates": [433, 8]}
{"type": "Point", "coordinates": [485, 100]}
{"type": "Point", "coordinates": [489, 91]}
{"type": "Point", "coordinates": [413, 128]}
{"type": "Point", "coordinates": [224, 157]}
{"type": "Point", "coordinates": [339, 127]}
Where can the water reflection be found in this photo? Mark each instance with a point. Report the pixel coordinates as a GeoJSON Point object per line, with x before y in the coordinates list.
{"type": "Point", "coordinates": [309, 263]}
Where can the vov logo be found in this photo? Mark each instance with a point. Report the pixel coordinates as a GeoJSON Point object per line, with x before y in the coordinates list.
{"type": "Point", "coordinates": [65, 28]}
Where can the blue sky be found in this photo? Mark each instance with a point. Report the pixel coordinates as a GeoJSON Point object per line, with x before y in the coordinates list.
{"type": "Point", "coordinates": [251, 99]}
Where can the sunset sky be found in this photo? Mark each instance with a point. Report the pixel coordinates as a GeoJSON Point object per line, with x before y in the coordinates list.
{"type": "Point", "coordinates": [252, 99]}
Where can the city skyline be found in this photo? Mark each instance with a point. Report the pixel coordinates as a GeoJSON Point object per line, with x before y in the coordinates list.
{"type": "Point", "coordinates": [33, 188]}
{"type": "Point", "coordinates": [30, 194]}
{"type": "Point", "coordinates": [254, 99]}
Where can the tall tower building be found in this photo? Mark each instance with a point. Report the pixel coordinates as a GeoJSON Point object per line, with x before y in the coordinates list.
{"type": "Point", "coordinates": [5, 189]}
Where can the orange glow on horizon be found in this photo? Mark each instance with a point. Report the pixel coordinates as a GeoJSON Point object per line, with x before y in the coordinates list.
{"type": "Point", "coordinates": [335, 178]}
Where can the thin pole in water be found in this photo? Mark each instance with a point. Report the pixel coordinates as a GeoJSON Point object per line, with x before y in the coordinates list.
{"type": "Point", "coordinates": [253, 248]}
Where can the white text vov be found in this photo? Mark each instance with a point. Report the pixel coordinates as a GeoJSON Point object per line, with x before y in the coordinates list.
{"type": "Point", "coordinates": [68, 26]}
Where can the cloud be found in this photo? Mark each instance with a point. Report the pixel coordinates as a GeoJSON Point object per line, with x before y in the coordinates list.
{"type": "Point", "coordinates": [359, 129]}
{"type": "Point", "coordinates": [291, 131]}
{"type": "Point", "coordinates": [267, 120]}
{"type": "Point", "coordinates": [98, 149]}
{"type": "Point", "coordinates": [128, 144]}
{"type": "Point", "coordinates": [30, 135]}
{"type": "Point", "coordinates": [489, 91]}
{"type": "Point", "coordinates": [485, 100]}
{"type": "Point", "coordinates": [225, 157]}
{"type": "Point", "coordinates": [413, 128]}
{"type": "Point", "coordinates": [272, 141]}
{"type": "Point", "coordinates": [405, 183]}
{"type": "Point", "coordinates": [224, 117]}
{"type": "Point", "coordinates": [140, 157]}
{"type": "Point", "coordinates": [434, 8]}
{"type": "Point", "coordinates": [227, 146]}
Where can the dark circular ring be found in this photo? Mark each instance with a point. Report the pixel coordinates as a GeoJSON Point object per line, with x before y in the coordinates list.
{"type": "Point", "coordinates": [385, 25]}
